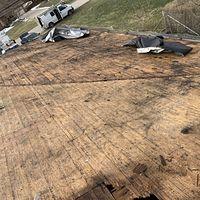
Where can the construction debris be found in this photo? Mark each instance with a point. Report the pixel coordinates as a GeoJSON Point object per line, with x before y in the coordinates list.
{"type": "Point", "coordinates": [57, 34]}
{"type": "Point", "coordinates": [151, 44]}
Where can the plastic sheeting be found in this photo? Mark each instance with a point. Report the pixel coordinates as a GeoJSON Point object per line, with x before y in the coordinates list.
{"type": "Point", "coordinates": [147, 44]}
{"type": "Point", "coordinates": [57, 34]}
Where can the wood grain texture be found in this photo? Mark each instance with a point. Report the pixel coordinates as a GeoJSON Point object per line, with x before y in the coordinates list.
{"type": "Point", "coordinates": [78, 116]}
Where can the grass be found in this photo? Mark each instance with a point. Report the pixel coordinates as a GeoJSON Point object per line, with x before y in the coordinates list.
{"type": "Point", "coordinates": [120, 14]}
{"type": "Point", "coordinates": [139, 15]}
{"type": "Point", "coordinates": [52, 2]}
{"type": "Point", "coordinates": [21, 27]}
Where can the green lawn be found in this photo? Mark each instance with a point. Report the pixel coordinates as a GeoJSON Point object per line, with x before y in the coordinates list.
{"type": "Point", "coordinates": [138, 15]}
{"type": "Point", "coordinates": [21, 27]}
{"type": "Point", "coordinates": [120, 14]}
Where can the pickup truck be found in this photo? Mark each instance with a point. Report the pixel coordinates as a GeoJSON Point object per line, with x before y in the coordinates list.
{"type": "Point", "coordinates": [55, 14]}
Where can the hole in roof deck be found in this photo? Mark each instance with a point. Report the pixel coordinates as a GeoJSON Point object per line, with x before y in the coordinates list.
{"type": "Point", "coordinates": [110, 187]}
{"type": "Point", "coordinates": [151, 197]}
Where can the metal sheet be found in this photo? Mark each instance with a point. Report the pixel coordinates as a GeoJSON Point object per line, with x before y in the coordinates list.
{"type": "Point", "coordinates": [57, 34]}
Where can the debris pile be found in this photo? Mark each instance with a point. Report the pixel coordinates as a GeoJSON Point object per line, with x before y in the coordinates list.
{"type": "Point", "coordinates": [147, 44]}
{"type": "Point", "coordinates": [57, 34]}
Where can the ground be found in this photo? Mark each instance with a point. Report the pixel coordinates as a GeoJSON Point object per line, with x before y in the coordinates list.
{"type": "Point", "coordinates": [90, 119]}
{"type": "Point", "coordinates": [20, 28]}
{"type": "Point", "coordinates": [137, 15]}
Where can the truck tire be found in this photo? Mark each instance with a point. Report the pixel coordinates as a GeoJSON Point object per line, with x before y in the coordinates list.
{"type": "Point", "coordinates": [70, 12]}
{"type": "Point", "coordinates": [51, 25]}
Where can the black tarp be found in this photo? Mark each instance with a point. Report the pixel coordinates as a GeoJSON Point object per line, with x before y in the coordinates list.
{"type": "Point", "coordinates": [157, 44]}
{"type": "Point", "coordinates": [177, 48]}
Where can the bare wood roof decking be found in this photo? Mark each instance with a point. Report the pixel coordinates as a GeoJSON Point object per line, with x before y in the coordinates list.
{"type": "Point", "coordinates": [89, 119]}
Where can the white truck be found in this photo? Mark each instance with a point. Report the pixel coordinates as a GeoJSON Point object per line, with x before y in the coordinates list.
{"type": "Point", "coordinates": [55, 14]}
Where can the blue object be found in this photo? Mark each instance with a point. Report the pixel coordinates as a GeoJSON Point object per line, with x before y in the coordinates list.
{"type": "Point", "coordinates": [28, 37]}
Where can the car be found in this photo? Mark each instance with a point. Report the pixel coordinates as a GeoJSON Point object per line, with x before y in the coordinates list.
{"type": "Point", "coordinates": [28, 37]}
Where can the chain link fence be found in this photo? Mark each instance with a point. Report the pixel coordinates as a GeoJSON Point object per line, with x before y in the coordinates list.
{"type": "Point", "coordinates": [183, 16]}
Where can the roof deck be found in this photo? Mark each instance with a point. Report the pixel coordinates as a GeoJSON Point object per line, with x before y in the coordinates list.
{"type": "Point", "coordinates": [89, 119]}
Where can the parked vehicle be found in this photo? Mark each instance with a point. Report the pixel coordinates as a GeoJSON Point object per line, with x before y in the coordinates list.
{"type": "Point", "coordinates": [6, 44]}
{"type": "Point", "coordinates": [4, 39]}
{"type": "Point", "coordinates": [55, 14]}
{"type": "Point", "coordinates": [28, 37]}
{"type": "Point", "coordinates": [5, 49]}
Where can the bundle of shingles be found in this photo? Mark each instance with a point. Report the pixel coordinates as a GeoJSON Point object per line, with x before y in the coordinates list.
{"type": "Point", "coordinates": [156, 44]}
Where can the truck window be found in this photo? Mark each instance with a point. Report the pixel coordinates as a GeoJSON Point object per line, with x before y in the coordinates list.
{"type": "Point", "coordinates": [52, 14]}
{"type": "Point", "coordinates": [61, 8]}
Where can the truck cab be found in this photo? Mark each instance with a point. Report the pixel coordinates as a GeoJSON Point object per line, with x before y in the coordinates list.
{"type": "Point", "coordinates": [55, 14]}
